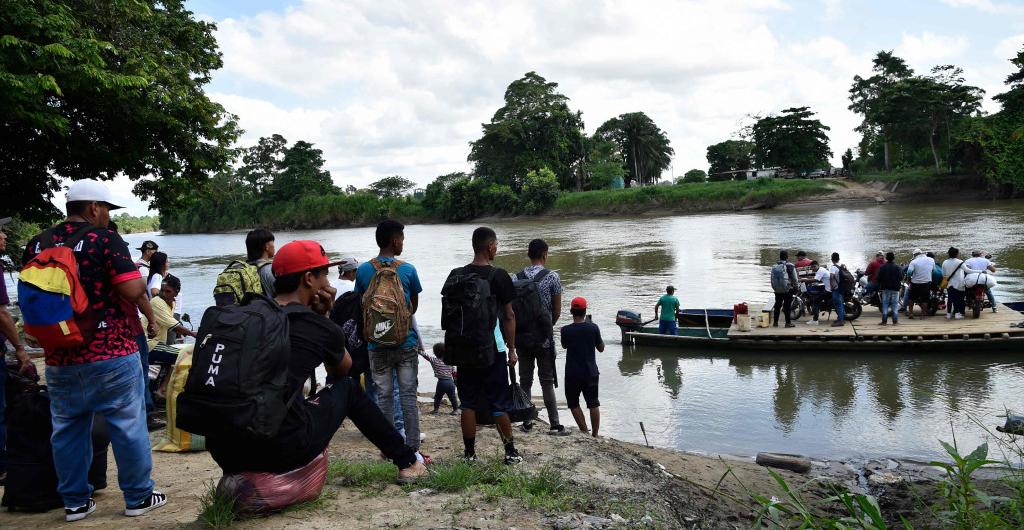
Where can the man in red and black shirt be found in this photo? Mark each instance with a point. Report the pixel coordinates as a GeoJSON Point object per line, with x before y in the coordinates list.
{"type": "Point", "coordinates": [103, 375]}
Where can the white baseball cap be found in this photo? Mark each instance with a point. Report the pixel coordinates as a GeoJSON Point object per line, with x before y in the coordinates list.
{"type": "Point", "coordinates": [918, 251]}
{"type": "Point", "coordinates": [91, 190]}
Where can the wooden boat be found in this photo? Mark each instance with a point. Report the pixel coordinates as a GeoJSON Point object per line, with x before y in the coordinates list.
{"type": "Point", "coordinates": [701, 329]}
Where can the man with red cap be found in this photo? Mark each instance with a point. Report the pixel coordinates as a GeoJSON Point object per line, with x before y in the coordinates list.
{"type": "Point", "coordinates": [304, 289]}
{"type": "Point", "coordinates": [580, 340]}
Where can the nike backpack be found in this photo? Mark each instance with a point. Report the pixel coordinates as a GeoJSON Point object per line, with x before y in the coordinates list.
{"type": "Point", "coordinates": [387, 316]}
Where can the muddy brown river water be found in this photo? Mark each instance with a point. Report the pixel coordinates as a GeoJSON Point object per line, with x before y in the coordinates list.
{"type": "Point", "coordinates": [851, 406]}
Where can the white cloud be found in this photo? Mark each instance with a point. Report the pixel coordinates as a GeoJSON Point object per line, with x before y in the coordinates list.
{"type": "Point", "coordinates": [402, 88]}
{"type": "Point", "coordinates": [833, 8]}
{"type": "Point", "coordinates": [929, 49]}
{"type": "Point", "coordinates": [987, 6]}
{"type": "Point", "coordinates": [1008, 47]}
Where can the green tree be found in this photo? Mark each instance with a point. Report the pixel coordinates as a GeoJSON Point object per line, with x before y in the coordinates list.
{"type": "Point", "coordinates": [434, 193]}
{"type": "Point", "coordinates": [534, 129]}
{"type": "Point", "coordinates": [793, 140]}
{"type": "Point", "coordinates": [604, 163]}
{"type": "Point", "coordinates": [95, 89]}
{"type": "Point", "coordinates": [694, 175]}
{"type": "Point", "coordinates": [392, 187]}
{"type": "Point", "coordinates": [301, 174]}
{"type": "Point", "coordinates": [540, 190]}
{"type": "Point", "coordinates": [262, 162]}
{"type": "Point", "coordinates": [645, 148]}
{"type": "Point", "coordinates": [935, 101]}
{"type": "Point", "coordinates": [869, 97]}
{"type": "Point", "coordinates": [730, 155]}
{"type": "Point", "coordinates": [847, 159]}
{"type": "Point", "coordinates": [1013, 99]}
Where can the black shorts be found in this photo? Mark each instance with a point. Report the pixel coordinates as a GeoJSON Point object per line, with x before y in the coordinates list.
{"type": "Point", "coordinates": [485, 389]}
{"type": "Point", "coordinates": [574, 386]}
{"type": "Point", "coordinates": [920, 293]}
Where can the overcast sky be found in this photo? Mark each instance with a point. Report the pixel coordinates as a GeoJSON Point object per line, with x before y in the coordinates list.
{"type": "Point", "coordinates": [402, 87]}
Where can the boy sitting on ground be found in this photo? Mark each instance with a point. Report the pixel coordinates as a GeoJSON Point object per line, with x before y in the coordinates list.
{"type": "Point", "coordinates": [580, 339]}
{"type": "Point", "coordinates": [445, 379]}
{"type": "Point", "coordinates": [304, 290]}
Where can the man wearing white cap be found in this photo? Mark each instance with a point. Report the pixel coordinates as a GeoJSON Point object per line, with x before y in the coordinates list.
{"type": "Point", "coordinates": [104, 374]}
{"type": "Point", "coordinates": [920, 271]}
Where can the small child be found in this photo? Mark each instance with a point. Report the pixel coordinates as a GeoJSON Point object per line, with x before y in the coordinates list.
{"type": "Point", "coordinates": [580, 340]}
{"type": "Point", "coordinates": [445, 379]}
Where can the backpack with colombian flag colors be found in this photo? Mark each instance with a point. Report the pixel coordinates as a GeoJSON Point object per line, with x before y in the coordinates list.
{"type": "Point", "coordinates": [50, 294]}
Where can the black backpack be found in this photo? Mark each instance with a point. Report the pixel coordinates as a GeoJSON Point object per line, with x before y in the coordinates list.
{"type": "Point", "coordinates": [469, 312]}
{"type": "Point", "coordinates": [347, 313]}
{"type": "Point", "coordinates": [846, 280]}
{"type": "Point", "coordinates": [31, 484]}
{"type": "Point", "coordinates": [239, 376]}
{"type": "Point", "coordinates": [533, 319]}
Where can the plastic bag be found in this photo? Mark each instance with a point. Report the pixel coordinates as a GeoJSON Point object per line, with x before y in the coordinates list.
{"type": "Point", "coordinates": [263, 493]}
{"type": "Point", "coordinates": [176, 440]}
{"type": "Point", "coordinates": [523, 408]}
{"type": "Point", "coordinates": [980, 278]}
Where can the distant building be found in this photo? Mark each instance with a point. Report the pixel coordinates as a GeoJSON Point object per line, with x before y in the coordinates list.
{"type": "Point", "coordinates": [419, 193]}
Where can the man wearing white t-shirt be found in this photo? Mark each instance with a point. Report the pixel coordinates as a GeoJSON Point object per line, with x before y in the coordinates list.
{"type": "Point", "coordinates": [822, 276]}
{"type": "Point", "coordinates": [979, 262]}
{"type": "Point", "coordinates": [920, 271]}
{"type": "Point", "coordinates": [347, 275]}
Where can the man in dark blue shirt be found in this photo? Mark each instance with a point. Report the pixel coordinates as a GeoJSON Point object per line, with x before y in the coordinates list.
{"type": "Point", "coordinates": [581, 339]}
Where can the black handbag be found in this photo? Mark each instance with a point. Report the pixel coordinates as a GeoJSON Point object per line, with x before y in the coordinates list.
{"type": "Point", "coordinates": [523, 408]}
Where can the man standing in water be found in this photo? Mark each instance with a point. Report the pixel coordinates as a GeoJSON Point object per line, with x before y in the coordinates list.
{"type": "Point", "coordinates": [666, 309]}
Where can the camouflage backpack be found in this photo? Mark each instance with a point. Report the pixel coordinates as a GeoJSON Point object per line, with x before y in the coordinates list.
{"type": "Point", "coordinates": [239, 279]}
{"type": "Point", "coordinates": [387, 316]}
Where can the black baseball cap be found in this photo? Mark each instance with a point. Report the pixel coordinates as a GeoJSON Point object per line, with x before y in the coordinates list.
{"type": "Point", "coordinates": [149, 245]}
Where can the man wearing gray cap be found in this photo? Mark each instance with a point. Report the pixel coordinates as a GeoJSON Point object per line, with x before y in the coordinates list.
{"type": "Point", "coordinates": [104, 374]}
{"type": "Point", "coordinates": [347, 274]}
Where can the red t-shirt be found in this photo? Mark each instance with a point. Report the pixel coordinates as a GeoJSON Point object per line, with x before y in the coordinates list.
{"type": "Point", "coordinates": [805, 262]}
{"type": "Point", "coordinates": [103, 262]}
{"type": "Point", "coordinates": [872, 270]}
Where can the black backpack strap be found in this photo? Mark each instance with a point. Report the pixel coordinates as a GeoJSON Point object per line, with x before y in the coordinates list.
{"type": "Point", "coordinates": [46, 238]}
{"type": "Point", "coordinates": [522, 275]}
{"type": "Point", "coordinates": [539, 277]}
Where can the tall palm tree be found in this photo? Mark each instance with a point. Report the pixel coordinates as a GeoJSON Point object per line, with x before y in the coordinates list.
{"type": "Point", "coordinates": [645, 148]}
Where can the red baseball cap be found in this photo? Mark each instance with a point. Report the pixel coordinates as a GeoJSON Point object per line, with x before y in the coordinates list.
{"type": "Point", "coordinates": [300, 256]}
{"type": "Point", "coordinates": [579, 303]}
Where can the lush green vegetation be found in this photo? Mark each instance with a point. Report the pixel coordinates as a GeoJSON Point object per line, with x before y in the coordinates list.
{"type": "Point", "coordinates": [924, 180]}
{"type": "Point", "coordinates": [689, 196]}
{"type": "Point", "coordinates": [130, 224]}
{"type": "Point", "coordinates": [96, 89]}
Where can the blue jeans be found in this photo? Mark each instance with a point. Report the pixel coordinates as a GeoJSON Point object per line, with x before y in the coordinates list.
{"type": "Point", "coordinates": [445, 387]}
{"type": "Point", "coordinates": [114, 389]}
{"type": "Point", "coordinates": [143, 345]}
{"type": "Point", "coordinates": [373, 392]}
{"type": "Point", "coordinates": [394, 373]}
{"type": "Point", "coordinates": [991, 297]}
{"type": "Point", "coordinates": [839, 304]}
{"type": "Point", "coordinates": [890, 302]}
{"type": "Point", "coordinates": [667, 327]}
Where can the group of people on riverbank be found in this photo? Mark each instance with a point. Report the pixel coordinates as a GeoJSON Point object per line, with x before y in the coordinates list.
{"type": "Point", "coordinates": [131, 306]}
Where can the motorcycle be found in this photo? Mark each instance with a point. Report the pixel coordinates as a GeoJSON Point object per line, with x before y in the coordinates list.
{"type": "Point", "coordinates": [936, 301]}
{"type": "Point", "coordinates": [807, 299]}
{"type": "Point", "coordinates": [976, 300]}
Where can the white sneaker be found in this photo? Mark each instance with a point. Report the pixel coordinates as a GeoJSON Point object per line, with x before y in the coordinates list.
{"type": "Point", "coordinates": [812, 322]}
{"type": "Point", "coordinates": [423, 436]}
{"type": "Point", "coordinates": [959, 316]}
{"type": "Point", "coordinates": [949, 316]}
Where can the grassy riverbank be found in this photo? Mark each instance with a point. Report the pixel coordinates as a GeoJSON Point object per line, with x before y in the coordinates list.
{"type": "Point", "coordinates": [926, 181]}
{"type": "Point", "coordinates": [691, 197]}
{"type": "Point", "coordinates": [361, 209]}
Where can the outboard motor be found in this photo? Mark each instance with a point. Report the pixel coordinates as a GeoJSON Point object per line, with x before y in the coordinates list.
{"type": "Point", "coordinates": [628, 321]}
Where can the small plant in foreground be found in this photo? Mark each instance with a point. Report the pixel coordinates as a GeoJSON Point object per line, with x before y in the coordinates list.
{"type": "Point", "coordinates": [216, 510]}
{"type": "Point", "coordinates": [369, 476]}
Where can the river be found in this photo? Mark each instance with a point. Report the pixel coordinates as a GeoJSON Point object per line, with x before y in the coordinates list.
{"type": "Point", "coordinates": [826, 405]}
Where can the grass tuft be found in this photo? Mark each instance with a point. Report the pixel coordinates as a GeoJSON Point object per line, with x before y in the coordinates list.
{"type": "Point", "coordinates": [368, 476]}
{"type": "Point", "coordinates": [216, 510]}
{"type": "Point", "coordinates": [546, 489]}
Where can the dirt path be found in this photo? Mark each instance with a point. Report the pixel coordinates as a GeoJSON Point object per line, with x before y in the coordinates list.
{"type": "Point", "coordinates": [847, 191]}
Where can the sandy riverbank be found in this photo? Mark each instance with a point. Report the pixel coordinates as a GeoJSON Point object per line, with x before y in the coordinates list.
{"type": "Point", "coordinates": [624, 485]}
